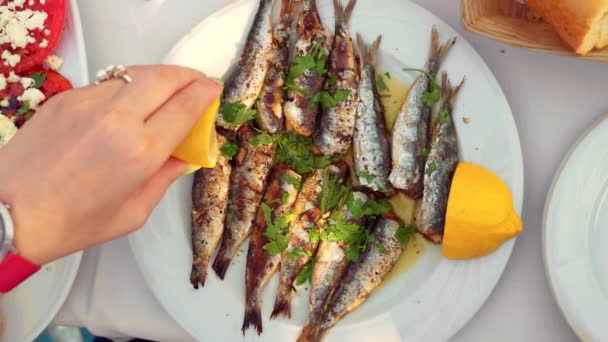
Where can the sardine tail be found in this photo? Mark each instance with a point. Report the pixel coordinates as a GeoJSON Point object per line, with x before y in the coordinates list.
{"type": "Point", "coordinates": [282, 307]}
{"type": "Point", "coordinates": [439, 51]}
{"type": "Point", "coordinates": [368, 55]}
{"type": "Point", "coordinates": [198, 276]}
{"type": "Point", "coordinates": [343, 13]}
{"type": "Point", "coordinates": [310, 333]}
{"type": "Point", "coordinates": [221, 263]}
{"type": "Point", "coordinates": [253, 317]}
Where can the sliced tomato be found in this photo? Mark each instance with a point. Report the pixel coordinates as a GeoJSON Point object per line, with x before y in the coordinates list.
{"type": "Point", "coordinates": [54, 83]}
{"type": "Point", "coordinates": [33, 54]}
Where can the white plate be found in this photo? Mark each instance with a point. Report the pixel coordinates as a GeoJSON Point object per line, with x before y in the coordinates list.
{"type": "Point", "coordinates": [431, 301]}
{"type": "Point", "coordinates": [30, 308]}
{"type": "Point", "coordinates": [575, 234]}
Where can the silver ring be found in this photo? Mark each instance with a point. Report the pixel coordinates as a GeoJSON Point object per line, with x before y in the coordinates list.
{"type": "Point", "coordinates": [113, 72]}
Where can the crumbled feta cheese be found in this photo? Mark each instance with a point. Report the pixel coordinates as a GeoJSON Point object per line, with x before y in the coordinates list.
{"type": "Point", "coordinates": [27, 82]}
{"type": "Point", "coordinates": [2, 82]}
{"type": "Point", "coordinates": [44, 43]}
{"type": "Point", "coordinates": [7, 130]}
{"type": "Point", "coordinates": [9, 58]}
{"type": "Point", "coordinates": [32, 96]}
{"type": "Point", "coordinates": [12, 78]}
{"type": "Point", "coordinates": [4, 103]}
{"type": "Point", "coordinates": [16, 25]}
{"type": "Point", "coordinates": [53, 62]}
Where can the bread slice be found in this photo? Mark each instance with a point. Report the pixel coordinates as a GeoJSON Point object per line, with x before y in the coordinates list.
{"type": "Point", "coordinates": [583, 24]}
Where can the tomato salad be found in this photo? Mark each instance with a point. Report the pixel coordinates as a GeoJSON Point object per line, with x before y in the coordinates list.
{"type": "Point", "coordinates": [29, 33]}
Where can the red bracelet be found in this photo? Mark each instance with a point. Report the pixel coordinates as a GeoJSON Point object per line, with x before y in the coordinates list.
{"type": "Point", "coordinates": [14, 270]}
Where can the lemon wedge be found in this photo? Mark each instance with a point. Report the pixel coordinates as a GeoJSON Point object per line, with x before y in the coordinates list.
{"type": "Point", "coordinates": [480, 216]}
{"type": "Point", "coordinates": [200, 148]}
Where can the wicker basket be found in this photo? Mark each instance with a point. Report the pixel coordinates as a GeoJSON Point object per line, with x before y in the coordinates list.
{"type": "Point", "coordinates": [511, 22]}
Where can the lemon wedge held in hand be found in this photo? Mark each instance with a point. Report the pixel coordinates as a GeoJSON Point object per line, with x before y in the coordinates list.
{"type": "Point", "coordinates": [200, 149]}
{"type": "Point", "coordinates": [480, 216]}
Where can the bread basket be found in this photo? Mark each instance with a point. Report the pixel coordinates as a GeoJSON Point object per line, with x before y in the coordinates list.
{"type": "Point", "coordinates": [511, 22]}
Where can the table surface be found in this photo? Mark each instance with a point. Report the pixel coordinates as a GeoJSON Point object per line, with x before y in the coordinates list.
{"type": "Point", "coordinates": [554, 99]}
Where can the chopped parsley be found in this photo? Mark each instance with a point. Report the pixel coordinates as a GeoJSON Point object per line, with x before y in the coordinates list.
{"type": "Point", "coordinates": [331, 79]}
{"type": "Point", "coordinates": [381, 84]}
{"type": "Point", "coordinates": [285, 198]}
{"type": "Point", "coordinates": [326, 100]}
{"type": "Point", "coordinates": [261, 139]}
{"type": "Point", "coordinates": [371, 208]}
{"type": "Point", "coordinates": [24, 109]}
{"type": "Point", "coordinates": [297, 184]}
{"type": "Point", "coordinates": [315, 60]}
{"type": "Point", "coordinates": [432, 167]}
{"type": "Point", "coordinates": [365, 175]}
{"type": "Point", "coordinates": [306, 273]}
{"type": "Point", "coordinates": [329, 278]}
{"type": "Point", "coordinates": [425, 152]}
{"type": "Point", "coordinates": [433, 95]}
{"type": "Point", "coordinates": [236, 113]}
{"type": "Point", "coordinates": [444, 117]}
{"type": "Point", "coordinates": [332, 193]}
{"type": "Point", "coordinates": [299, 252]}
{"type": "Point", "coordinates": [404, 234]}
{"type": "Point", "coordinates": [388, 75]}
{"type": "Point", "coordinates": [277, 232]}
{"type": "Point", "coordinates": [229, 149]}
{"type": "Point", "coordinates": [381, 248]}
{"type": "Point", "coordinates": [38, 78]}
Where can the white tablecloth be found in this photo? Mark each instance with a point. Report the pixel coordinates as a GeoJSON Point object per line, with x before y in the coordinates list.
{"type": "Point", "coordinates": [553, 99]}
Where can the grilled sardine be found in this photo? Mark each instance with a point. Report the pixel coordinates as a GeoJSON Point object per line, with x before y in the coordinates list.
{"type": "Point", "coordinates": [300, 112]}
{"type": "Point", "coordinates": [209, 201]}
{"type": "Point", "coordinates": [307, 209]}
{"type": "Point", "coordinates": [411, 130]}
{"type": "Point", "coordinates": [280, 195]}
{"type": "Point", "coordinates": [360, 278]}
{"type": "Point", "coordinates": [336, 126]}
{"type": "Point", "coordinates": [329, 267]}
{"type": "Point", "coordinates": [270, 102]}
{"type": "Point", "coordinates": [246, 81]}
{"type": "Point", "coordinates": [247, 184]}
{"type": "Point", "coordinates": [440, 166]}
{"type": "Point", "coordinates": [371, 144]}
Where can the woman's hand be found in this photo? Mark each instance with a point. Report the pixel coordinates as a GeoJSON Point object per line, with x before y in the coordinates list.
{"type": "Point", "coordinates": [92, 163]}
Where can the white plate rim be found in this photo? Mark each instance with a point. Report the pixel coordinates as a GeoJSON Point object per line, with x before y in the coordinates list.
{"type": "Point", "coordinates": [501, 257]}
{"type": "Point", "coordinates": [567, 312]}
{"type": "Point", "coordinates": [71, 262]}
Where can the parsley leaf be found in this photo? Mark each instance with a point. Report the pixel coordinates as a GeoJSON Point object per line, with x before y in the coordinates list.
{"type": "Point", "coordinates": [388, 75]}
{"type": "Point", "coordinates": [236, 113]}
{"type": "Point", "coordinates": [425, 152]}
{"type": "Point", "coordinates": [329, 278]}
{"type": "Point", "coordinates": [434, 94]}
{"type": "Point", "coordinates": [314, 235]}
{"type": "Point", "coordinates": [306, 274]}
{"type": "Point", "coordinates": [298, 252]}
{"type": "Point", "coordinates": [323, 161]}
{"type": "Point", "coordinates": [229, 149]}
{"type": "Point", "coordinates": [331, 79]}
{"type": "Point", "coordinates": [365, 175]}
{"type": "Point", "coordinates": [38, 78]}
{"type": "Point", "coordinates": [403, 234]}
{"type": "Point", "coordinates": [24, 109]}
{"type": "Point", "coordinates": [285, 198]}
{"type": "Point", "coordinates": [381, 248]}
{"type": "Point", "coordinates": [444, 117]}
{"type": "Point", "coordinates": [332, 193]}
{"type": "Point", "coordinates": [352, 254]}
{"type": "Point", "coordinates": [315, 60]}
{"type": "Point", "coordinates": [297, 184]}
{"type": "Point", "coordinates": [432, 167]}
{"type": "Point", "coordinates": [381, 84]}
{"type": "Point", "coordinates": [295, 151]}
{"type": "Point", "coordinates": [277, 232]}
{"type": "Point", "coordinates": [372, 209]}
{"type": "Point", "coordinates": [326, 100]}
{"type": "Point", "coordinates": [261, 139]}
